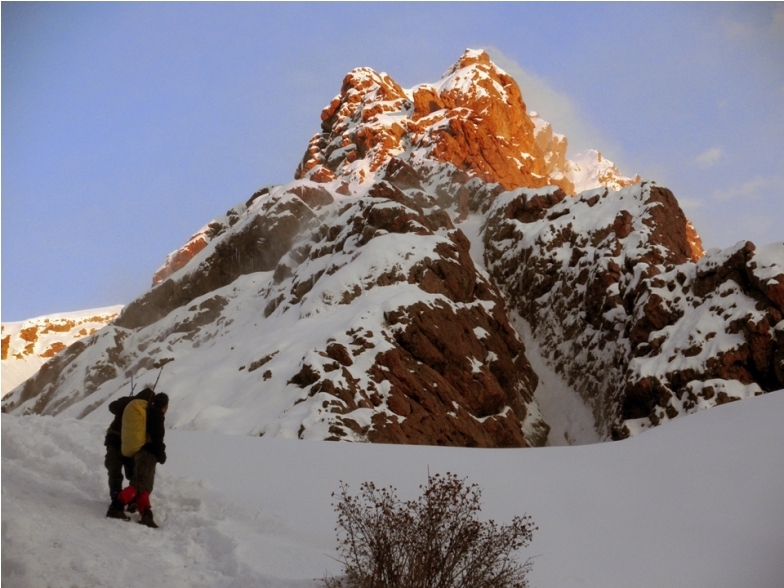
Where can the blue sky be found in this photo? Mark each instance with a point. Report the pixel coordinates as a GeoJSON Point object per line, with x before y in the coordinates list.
{"type": "Point", "coordinates": [128, 126]}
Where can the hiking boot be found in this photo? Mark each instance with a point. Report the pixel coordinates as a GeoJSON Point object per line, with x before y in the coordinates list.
{"type": "Point", "coordinates": [147, 519]}
{"type": "Point", "coordinates": [131, 508]}
{"type": "Point", "coordinates": [116, 511]}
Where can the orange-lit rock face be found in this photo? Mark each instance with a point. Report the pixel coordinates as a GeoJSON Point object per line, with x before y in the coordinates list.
{"type": "Point", "coordinates": [355, 126]}
{"type": "Point", "coordinates": [180, 258]}
{"type": "Point", "coordinates": [54, 349]}
{"type": "Point", "coordinates": [6, 346]}
{"type": "Point", "coordinates": [474, 118]}
{"type": "Point", "coordinates": [695, 243]}
{"type": "Point", "coordinates": [47, 336]}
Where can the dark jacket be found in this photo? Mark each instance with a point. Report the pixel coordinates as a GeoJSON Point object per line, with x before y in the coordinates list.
{"type": "Point", "coordinates": [116, 407]}
{"type": "Point", "coordinates": [155, 433]}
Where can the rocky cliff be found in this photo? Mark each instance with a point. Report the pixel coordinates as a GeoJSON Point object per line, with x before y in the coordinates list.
{"type": "Point", "coordinates": [628, 309]}
{"type": "Point", "coordinates": [351, 304]}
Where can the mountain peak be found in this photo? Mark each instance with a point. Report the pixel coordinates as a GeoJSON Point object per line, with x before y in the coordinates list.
{"type": "Point", "coordinates": [391, 292]}
{"type": "Point", "coordinates": [474, 118]}
{"type": "Point", "coordinates": [470, 57]}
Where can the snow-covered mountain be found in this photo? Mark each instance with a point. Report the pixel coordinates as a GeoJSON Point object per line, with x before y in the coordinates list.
{"type": "Point", "coordinates": [385, 293]}
{"type": "Point", "coordinates": [27, 345]}
{"type": "Point", "coordinates": [625, 309]}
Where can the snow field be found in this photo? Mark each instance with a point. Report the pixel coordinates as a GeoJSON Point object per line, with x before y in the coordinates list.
{"type": "Point", "coordinates": [54, 532]}
{"type": "Point", "coordinates": [695, 502]}
{"type": "Point", "coordinates": [571, 420]}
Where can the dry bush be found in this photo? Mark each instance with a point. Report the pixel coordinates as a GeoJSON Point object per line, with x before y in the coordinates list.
{"type": "Point", "coordinates": [434, 541]}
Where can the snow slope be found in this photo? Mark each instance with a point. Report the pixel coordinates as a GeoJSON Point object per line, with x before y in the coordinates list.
{"type": "Point", "coordinates": [695, 502]}
{"type": "Point", "coordinates": [28, 344]}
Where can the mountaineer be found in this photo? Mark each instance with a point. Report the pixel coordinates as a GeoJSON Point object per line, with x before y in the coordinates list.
{"type": "Point", "coordinates": [115, 462]}
{"type": "Point", "coordinates": [142, 439]}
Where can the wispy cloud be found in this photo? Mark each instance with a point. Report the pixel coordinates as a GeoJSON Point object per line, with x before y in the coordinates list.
{"type": "Point", "coordinates": [734, 29]}
{"type": "Point", "coordinates": [690, 205]}
{"type": "Point", "coordinates": [778, 20]}
{"type": "Point", "coordinates": [555, 107]}
{"type": "Point", "coordinates": [709, 158]}
{"type": "Point", "coordinates": [751, 189]}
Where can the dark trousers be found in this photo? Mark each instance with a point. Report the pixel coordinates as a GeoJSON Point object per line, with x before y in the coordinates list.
{"type": "Point", "coordinates": [115, 463]}
{"type": "Point", "coordinates": [143, 471]}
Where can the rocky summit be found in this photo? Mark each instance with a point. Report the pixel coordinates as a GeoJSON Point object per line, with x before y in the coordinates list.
{"type": "Point", "coordinates": [381, 295]}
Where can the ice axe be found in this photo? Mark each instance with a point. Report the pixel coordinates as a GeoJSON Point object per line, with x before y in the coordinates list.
{"type": "Point", "coordinates": [159, 377]}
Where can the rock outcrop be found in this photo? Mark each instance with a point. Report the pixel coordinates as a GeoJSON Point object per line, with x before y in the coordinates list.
{"type": "Point", "coordinates": [627, 310]}
{"type": "Point", "coordinates": [474, 118]}
{"type": "Point", "coordinates": [445, 368]}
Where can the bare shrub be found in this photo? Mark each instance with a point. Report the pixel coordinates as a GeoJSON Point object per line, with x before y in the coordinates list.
{"type": "Point", "coordinates": [434, 541]}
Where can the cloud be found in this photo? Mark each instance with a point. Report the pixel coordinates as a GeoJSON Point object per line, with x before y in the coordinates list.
{"type": "Point", "coordinates": [734, 30]}
{"type": "Point", "coordinates": [690, 205]}
{"type": "Point", "coordinates": [554, 107]}
{"type": "Point", "coordinates": [777, 26]}
{"type": "Point", "coordinates": [710, 157]}
{"type": "Point", "coordinates": [751, 189]}
{"type": "Point", "coordinates": [769, 25]}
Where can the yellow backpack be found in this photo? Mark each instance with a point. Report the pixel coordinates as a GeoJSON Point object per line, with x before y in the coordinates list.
{"type": "Point", "coordinates": [134, 427]}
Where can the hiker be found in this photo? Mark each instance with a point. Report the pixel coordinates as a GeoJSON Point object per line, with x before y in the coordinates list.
{"type": "Point", "coordinates": [115, 462]}
{"type": "Point", "coordinates": [142, 439]}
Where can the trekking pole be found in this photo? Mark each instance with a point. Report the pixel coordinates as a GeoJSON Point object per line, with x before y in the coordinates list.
{"type": "Point", "coordinates": [131, 394]}
{"type": "Point", "coordinates": [158, 378]}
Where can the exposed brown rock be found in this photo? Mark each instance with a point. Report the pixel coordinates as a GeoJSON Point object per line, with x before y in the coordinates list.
{"type": "Point", "coordinates": [305, 377]}
{"type": "Point", "coordinates": [670, 227]}
{"type": "Point", "coordinates": [180, 258]}
{"type": "Point", "coordinates": [340, 354]}
{"type": "Point", "coordinates": [448, 386]}
{"type": "Point", "coordinates": [54, 349]}
{"type": "Point", "coordinates": [257, 247]}
{"type": "Point", "coordinates": [322, 175]}
{"type": "Point", "coordinates": [457, 374]}
{"type": "Point", "coordinates": [29, 334]}
{"type": "Point", "coordinates": [426, 101]}
{"type": "Point", "coordinates": [597, 306]}
{"type": "Point", "coordinates": [313, 196]}
{"type": "Point", "coordinates": [623, 224]}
